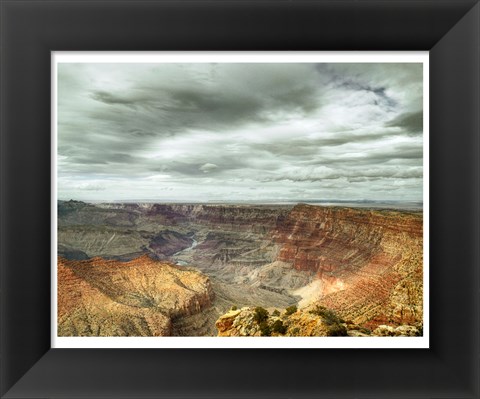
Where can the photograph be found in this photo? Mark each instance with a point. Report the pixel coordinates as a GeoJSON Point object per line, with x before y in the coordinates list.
{"type": "Point", "coordinates": [267, 199]}
{"type": "Point", "coordinates": [239, 199]}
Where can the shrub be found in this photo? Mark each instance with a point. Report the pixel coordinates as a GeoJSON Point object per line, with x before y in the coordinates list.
{"type": "Point", "coordinates": [278, 327]}
{"type": "Point", "coordinates": [295, 331]}
{"type": "Point", "coordinates": [290, 310]}
{"type": "Point", "coordinates": [265, 329]}
{"type": "Point", "coordinates": [233, 308]}
{"type": "Point", "coordinates": [260, 315]}
{"type": "Point", "coordinates": [329, 317]}
{"type": "Point", "coordinates": [337, 330]}
{"type": "Point", "coordinates": [276, 313]}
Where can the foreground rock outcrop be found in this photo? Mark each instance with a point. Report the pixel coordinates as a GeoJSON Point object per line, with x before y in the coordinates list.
{"type": "Point", "coordinates": [99, 297]}
{"type": "Point", "coordinates": [251, 322]}
{"type": "Point", "coordinates": [319, 322]}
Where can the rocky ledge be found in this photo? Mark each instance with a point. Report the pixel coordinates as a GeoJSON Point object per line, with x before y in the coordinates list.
{"type": "Point", "coordinates": [318, 322]}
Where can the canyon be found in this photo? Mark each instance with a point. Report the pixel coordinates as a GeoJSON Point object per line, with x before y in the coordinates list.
{"type": "Point", "coordinates": [147, 269]}
{"type": "Point", "coordinates": [136, 298]}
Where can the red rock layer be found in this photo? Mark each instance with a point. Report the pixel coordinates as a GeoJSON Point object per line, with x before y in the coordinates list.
{"type": "Point", "coordinates": [370, 262]}
{"type": "Point", "coordinates": [327, 239]}
{"type": "Point", "coordinates": [255, 218]}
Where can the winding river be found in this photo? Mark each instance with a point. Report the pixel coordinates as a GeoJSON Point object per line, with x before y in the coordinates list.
{"type": "Point", "coordinates": [181, 262]}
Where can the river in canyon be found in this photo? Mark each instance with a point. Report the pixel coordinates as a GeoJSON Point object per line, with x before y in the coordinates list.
{"type": "Point", "coordinates": [364, 263]}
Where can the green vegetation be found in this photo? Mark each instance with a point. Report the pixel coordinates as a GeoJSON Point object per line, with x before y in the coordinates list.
{"type": "Point", "coordinates": [278, 327]}
{"type": "Point", "coordinates": [334, 325]}
{"type": "Point", "coordinates": [233, 308]}
{"type": "Point", "coordinates": [329, 316]}
{"type": "Point", "coordinates": [260, 315]}
{"type": "Point", "coordinates": [290, 310]}
{"type": "Point", "coordinates": [337, 330]}
{"type": "Point", "coordinates": [265, 329]}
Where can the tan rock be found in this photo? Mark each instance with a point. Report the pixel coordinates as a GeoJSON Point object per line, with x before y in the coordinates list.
{"type": "Point", "coordinates": [241, 323]}
{"type": "Point", "coordinates": [400, 331]}
{"type": "Point", "coordinates": [99, 297]}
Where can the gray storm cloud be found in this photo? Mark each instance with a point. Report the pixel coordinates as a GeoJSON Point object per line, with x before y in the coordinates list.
{"type": "Point", "coordinates": [240, 132]}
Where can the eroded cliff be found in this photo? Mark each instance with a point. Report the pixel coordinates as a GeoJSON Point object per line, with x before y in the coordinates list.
{"type": "Point", "coordinates": [99, 297]}
{"type": "Point", "coordinates": [368, 264]}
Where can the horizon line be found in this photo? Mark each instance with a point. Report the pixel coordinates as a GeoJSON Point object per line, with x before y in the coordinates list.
{"type": "Point", "coordinates": [410, 204]}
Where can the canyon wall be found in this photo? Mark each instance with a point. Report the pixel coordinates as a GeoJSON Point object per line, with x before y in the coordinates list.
{"type": "Point", "coordinates": [253, 218]}
{"type": "Point", "coordinates": [224, 232]}
{"type": "Point", "coordinates": [368, 264]}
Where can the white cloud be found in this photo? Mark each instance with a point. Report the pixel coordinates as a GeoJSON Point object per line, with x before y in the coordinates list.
{"type": "Point", "coordinates": [262, 131]}
{"type": "Point", "coordinates": [208, 167]}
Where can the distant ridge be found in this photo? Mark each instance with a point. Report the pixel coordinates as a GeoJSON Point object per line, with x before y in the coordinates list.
{"type": "Point", "coordinates": [365, 203]}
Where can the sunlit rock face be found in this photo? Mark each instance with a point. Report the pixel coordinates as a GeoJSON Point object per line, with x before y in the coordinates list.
{"type": "Point", "coordinates": [316, 322]}
{"type": "Point", "coordinates": [242, 323]}
{"type": "Point", "coordinates": [99, 297]}
{"type": "Point", "coordinates": [369, 263]}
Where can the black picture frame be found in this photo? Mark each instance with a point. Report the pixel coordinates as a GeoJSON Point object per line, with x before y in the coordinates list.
{"type": "Point", "coordinates": [30, 30]}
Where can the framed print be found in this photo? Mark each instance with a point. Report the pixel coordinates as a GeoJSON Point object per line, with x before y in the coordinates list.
{"type": "Point", "coordinates": [200, 210]}
{"type": "Point", "coordinates": [286, 207]}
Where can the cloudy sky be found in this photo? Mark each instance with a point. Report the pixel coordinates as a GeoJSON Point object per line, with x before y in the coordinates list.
{"type": "Point", "coordinates": [240, 132]}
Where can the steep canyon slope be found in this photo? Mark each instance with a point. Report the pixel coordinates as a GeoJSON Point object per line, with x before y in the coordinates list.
{"type": "Point", "coordinates": [99, 297]}
{"type": "Point", "coordinates": [368, 264]}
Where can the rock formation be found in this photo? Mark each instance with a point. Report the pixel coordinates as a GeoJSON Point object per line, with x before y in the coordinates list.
{"type": "Point", "coordinates": [368, 264]}
{"type": "Point", "coordinates": [257, 322]}
{"type": "Point", "coordinates": [99, 297]}
{"type": "Point", "coordinates": [254, 218]}
{"type": "Point", "coordinates": [318, 322]}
